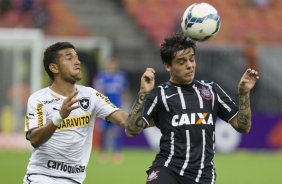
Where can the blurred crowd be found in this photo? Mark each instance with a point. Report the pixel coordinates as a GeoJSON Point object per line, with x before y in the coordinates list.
{"type": "Point", "coordinates": [24, 13]}
{"type": "Point", "coordinates": [52, 16]}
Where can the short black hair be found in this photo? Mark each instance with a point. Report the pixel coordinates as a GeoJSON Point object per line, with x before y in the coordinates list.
{"type": "Point", "coordinates": [174, 43]}
{"type": "Point", "coordinates": [51, 55]}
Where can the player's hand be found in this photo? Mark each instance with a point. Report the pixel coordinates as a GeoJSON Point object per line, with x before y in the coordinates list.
{"type": "Point", "coordinates": [248, 81]}
{"type": "Point", "coordinates": [147, 81]}
{"type": "Point", "coordinates": [68, 105]}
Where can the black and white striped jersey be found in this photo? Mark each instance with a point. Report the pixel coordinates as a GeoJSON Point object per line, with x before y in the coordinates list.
{"type": "Point", "coordinates": [186, 116]}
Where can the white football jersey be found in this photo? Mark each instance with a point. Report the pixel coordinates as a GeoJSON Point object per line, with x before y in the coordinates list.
{"type": "Point", "coordinates": [66, 153]}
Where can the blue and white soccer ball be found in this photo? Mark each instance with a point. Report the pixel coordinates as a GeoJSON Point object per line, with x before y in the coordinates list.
{"type": "Point", "coordinates": [200, 21]}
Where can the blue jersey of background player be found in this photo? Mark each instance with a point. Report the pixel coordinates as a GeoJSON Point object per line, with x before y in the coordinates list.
{"type": "Point", "coordinates": [112, 83]}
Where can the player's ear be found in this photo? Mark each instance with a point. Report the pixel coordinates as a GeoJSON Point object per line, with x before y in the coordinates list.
{"type": "Point", "coordinates": [167, 67]}
{"type": "Point", "coordinates": [53, 68]}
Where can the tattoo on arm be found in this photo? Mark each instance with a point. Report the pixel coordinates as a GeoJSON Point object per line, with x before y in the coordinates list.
{"type": "Point", "coordinates": [135, 122]}
{"type": "Point", "coordinates": [244, 114]}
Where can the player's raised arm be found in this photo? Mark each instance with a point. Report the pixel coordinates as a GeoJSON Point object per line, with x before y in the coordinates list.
{"type": "Point", "coordinates": [135, 122]}
{"type": "Point", "coordinates": [242, 121]}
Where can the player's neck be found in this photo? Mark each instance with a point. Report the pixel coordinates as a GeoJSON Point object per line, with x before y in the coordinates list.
{"type": "Point", "coordinates": [64, 89]}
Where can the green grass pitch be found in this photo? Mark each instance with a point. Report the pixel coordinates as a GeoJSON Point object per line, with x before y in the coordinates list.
{"type": "Point", "coordinates": [237, 168]}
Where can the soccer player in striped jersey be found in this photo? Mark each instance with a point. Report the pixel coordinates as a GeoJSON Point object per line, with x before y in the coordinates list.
{"type": "Point", "coordinates": [185, 110]}
{"type": "Point", "coordinates": [58, 120]}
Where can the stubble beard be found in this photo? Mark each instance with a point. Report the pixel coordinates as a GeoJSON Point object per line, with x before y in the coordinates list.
{"type": "Point", "coordinates": [73, 78]}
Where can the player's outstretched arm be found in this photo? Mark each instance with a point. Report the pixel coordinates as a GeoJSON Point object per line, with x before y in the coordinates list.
{"type": "Point", "coordinates": [40, 135]}
{"type": "Point", "coordinates": [135, 123]}
{"type": "Point", "coordinates": [242, 121]}
{"type": "Point", "coordinates": [118, 118]}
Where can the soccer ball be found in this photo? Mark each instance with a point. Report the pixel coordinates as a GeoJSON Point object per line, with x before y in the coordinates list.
{"type": "Point", "coordinates": [200, 21]}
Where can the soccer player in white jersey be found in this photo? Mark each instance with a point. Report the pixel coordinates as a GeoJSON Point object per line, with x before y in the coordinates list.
{"type": "Point", "coordinates": [185, 111]}
{"type": "Point", "coordinates": [58, 120]}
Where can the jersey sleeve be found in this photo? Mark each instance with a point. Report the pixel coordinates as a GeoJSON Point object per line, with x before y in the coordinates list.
{"type": "Point", "coordinates": [151, 105]}
{"type": "Point", "coordinates": [227, 107]}
{"type": "Point", "coordinates": [103, 106]}
{"type": "Point", "coordinates": [35, 115]}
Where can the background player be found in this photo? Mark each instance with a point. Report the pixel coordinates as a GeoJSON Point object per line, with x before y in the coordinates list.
{"type": "Point", "coordinates": [112, 83]}
{"type": "Point", "coordinates": [185, 111]}
{"type": "Point", "coordinates": [58, 120]}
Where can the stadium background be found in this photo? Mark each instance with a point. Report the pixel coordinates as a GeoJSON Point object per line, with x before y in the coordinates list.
{"type": "Point", "coordinates": [132, 30]}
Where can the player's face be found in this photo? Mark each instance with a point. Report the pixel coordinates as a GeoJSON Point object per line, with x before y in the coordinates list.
{"type": "Point", "coordinates": [183, 66]}
{"type": "Point", "coordinates": [69, 65]}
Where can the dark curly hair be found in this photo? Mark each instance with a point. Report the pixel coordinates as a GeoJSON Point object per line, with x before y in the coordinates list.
{"type": "Point", "coordinates": [51, 55]}
{"type": "Point", "coordinates": [174, 43]}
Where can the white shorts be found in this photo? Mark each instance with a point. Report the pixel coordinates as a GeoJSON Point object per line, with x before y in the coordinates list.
{"type": "Point", "coordinates": [43, 179]}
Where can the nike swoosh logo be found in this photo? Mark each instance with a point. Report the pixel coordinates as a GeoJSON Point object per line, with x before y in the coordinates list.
{"type": "Point", "coordinates": [167, 97]}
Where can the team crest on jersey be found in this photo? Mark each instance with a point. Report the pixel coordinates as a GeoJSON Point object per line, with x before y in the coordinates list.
{"type": "Point", "coordinates": [205, 93]}
{"type": "Point", "coordinates": [84, 103]}
{"type": "Point", "coordinates": [153, 175]}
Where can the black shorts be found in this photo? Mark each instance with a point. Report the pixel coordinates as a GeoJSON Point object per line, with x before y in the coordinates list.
{"type": "Point", "coordinates": [163, 175]}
